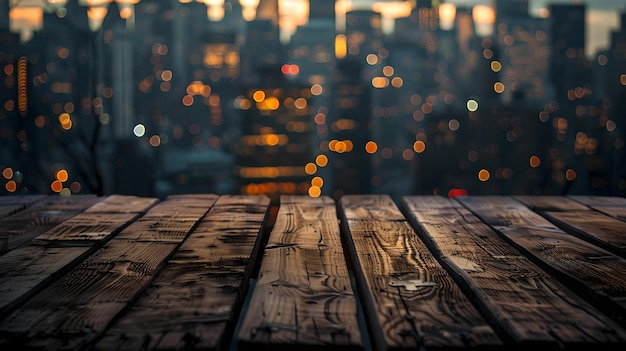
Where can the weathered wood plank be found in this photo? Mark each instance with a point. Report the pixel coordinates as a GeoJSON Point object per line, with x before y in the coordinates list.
{"type": "Point", "coordinates": [27, 269]}
{"type": "Point", "coordinates": [43, 215]}
{"type": "Point", "coordinates": [303, 297]}
{"type": "Point", "coordinates": [613, 206]}
{"type": "Point", "coordinates": [14, 203]}
{"type": "Point", "coordinates": [592, 272]}
{"type": "Point", "coordinates": [550, 203]}
{"type": "Point", "coordinates": [594, 200]}
{"type": "Point", "coordinates": [75, 310]}
{"type": "Point", "coordinates": [519, 298]}
{"type": "Point", "coordinates": [195, 300]}
{"type": "Point", "coordinates": [409, 299]}
{"type": "Point", "coordinates": [123, 204]}
{"type": "Point", "coordinates": [582, 221]}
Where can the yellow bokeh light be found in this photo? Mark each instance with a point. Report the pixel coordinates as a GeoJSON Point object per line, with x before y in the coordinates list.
{"type": "Point", "coordinates": [310, 168]}
{"type": "Point", "coordinates": [484, 175]}
{"type": "Point", "coordinates": [371, 147]}
{"type": "Point", "coordinates": [371, 59]}
{"type": "Point", "coordinates": [321, 160]}
{"type": "Point", "coordinates": [397, 82]}
{"type": "Point", "coordinates": [380, 82]}
{"type": "Point", "coordinates": [534, 161]}
{"type": "Point", "coordinates": [498, 87]}
{"type": "Point", "coordinates": [258, 96]}
{"type": "Point", "coordinates": [496, 66]}
{"type": "Point", "coordinates": [341, 46]}
{"type": "Point", "coordinates": [11, 186]}
{"type": "Point", "coordinates": [419, 146]}
{"type": "Point", "coordinates": [317, 181]}
{"type": "Point", "coordinates": [316, 89]}
{"type": "Point", "coordinates": [62, 175]}
{"type": "Point", "coordinates": [388, 71]}
{"type": "Point", "coordinates": [7, 173]}
{"type": "Point", "coordinates": [56, 186]}
{"type": "Point", "coordinates": [315, 191]}
{"type": "Point", "coordinates": [300, 103]}
{"type": "Point", "coordinates": [64, 118]}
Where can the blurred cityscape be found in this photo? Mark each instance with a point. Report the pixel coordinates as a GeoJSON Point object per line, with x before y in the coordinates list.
{"type": "Point", "coordinates": [157, 97]}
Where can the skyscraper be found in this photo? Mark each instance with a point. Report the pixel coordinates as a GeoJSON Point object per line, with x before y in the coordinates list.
{"type": "Point", "coordinates": [321, 9]}
{"type": "Point", "coordinates": [268, 10]}
{"type": "Point", "coordinates": [510, 8]}
{"type": "Point", "coordinates": [568, 47]}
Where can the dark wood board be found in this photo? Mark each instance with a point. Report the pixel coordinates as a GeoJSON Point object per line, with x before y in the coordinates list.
{"type": "Point", "coordinates": [43, 215]}
{"type": "Point", "coordinates": [31, 267]}
{"type": "Point", "coordinates": [590, 271]}
{"type": "Point", "coordinates": [584, 222]}
{"type": "Point", "coordinates": [76, 309]}
{"type": "Point", "coordinates": [410, 300]}
{"type": "Point", "coordinates": [11, 204]}
{"type": "Point", "coordinates": [520, 299]}
{"type": "Point", "coordinates": [614, 206]}
{"type": "Point", "coordinates": [303, 297]}
{"type": "Point", "coordinates": [195, 299]}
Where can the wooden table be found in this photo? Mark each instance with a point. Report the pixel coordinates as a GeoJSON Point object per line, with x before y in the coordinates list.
{"type": "Point", "coordinates": [231, 272]}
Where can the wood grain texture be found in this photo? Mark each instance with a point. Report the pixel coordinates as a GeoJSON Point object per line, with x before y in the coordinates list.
{"type": "Point", "coordinates": [43, 215]}
{"type": "Point", "coordinates": [195, 300]}
{"type": "Point", "coordinates": [303, 297]}
{"type": "Point", "coordinates": [171, 220]}
{"type": "Point", "coordinates": [74, 311]}
{"type": "Point", "coordinates": [519, 298]}
{"type": "Point", "coordinates": [123, 204]}
{"type": "Point", "coordinates": [10, 204]}
{"type": "Point", "coordinates": [592, 272]}
{"type": "Point", "coordinates": [550, 203]}
{"type": "Point", "coordinates": [613, 206]}
{"type": "Point", "coordinates": [410, 300]}
{"type": "Point", "coordinates": [25, 270]}
{"type": "Point", "coordinates": [31, 267]}
{"type": "Point", "coordinates": [584, 222]}
{"type": "Point", "coordinates": [594, 200]}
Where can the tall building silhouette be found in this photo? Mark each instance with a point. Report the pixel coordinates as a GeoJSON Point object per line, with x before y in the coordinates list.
{"type": "Point", "coordinates": [268, 10]}
{"type": "Point", "coordinates": [567, 39]}
{"type": "Point", "coordinates": [524, 44]}
{"type": "Point", "coordinates": [322, 9]}
{"type": "Point", "coordinates": [510, 8]}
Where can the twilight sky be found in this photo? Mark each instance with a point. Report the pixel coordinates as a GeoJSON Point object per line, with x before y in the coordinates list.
{"type": "Point", "coordinates": [602, 17]}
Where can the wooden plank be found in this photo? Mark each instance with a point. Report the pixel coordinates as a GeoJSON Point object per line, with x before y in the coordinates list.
{"type": "Point", "coordinates": [518, 297]}
{"type": "Point", "coordinates": [45, 214]}
{"type": "Point", "coordinates": [613, 206]}
{"type": "Point", "coordinates": [594, 200]}
{"type": "Point", "coordinates": [123, 204]}
{"type": "Point", "coordinates": [409, 299]}
{"type": "Point", "coordinates": [29, 268]}
{"type": "Point", "coordinates": [592, 272]}
{"type": "Point", "coordinates": [303, 297]}
{"type": "Point", "coordinates": [550, 203]}
{"type": "Point", "coordinates": [195, 300]}
{"type": "Point", "coordinates": [74, 311]}
{"type": "Point", "coordinates": [14, 203]}
{"type": "Point", "coordinates": [595, 227]}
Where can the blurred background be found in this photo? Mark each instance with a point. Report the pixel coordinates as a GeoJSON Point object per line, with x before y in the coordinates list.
{"type": "Point", "coordinates": [317, 97]}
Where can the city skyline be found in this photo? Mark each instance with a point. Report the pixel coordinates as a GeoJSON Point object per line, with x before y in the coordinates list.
{"type": "Point", "coordinates": [180, 103]}
{"type": "Point", "coordinates": [602, 15]}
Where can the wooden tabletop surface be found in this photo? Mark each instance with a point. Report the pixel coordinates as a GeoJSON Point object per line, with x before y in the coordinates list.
{"type": "Point", "coordinates": [236, 272]}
